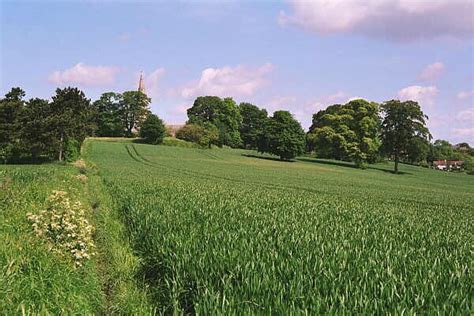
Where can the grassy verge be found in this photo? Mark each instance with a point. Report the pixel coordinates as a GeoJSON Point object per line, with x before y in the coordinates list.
{"type": "Point", "coordinates": [118, 266]}
{"type": "Point", "coordinates": [32, 279]}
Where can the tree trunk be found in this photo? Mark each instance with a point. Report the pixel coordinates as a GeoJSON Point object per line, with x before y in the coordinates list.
{"type": "Point", "coordinates": [396, 163]}
{"type": "Point", "coordinates": [61, 141]}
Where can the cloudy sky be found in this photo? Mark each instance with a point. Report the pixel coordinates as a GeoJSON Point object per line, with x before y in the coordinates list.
{"type": "Point", "coordinates": [295, 55]}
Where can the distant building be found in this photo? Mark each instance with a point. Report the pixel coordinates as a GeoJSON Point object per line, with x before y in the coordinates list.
{"type": "Point", "coordinates": [448, 164]}
{"type": "Point", "coordinates": [141, 84]}
{"type": "Point", "coordinates": [173, 128]}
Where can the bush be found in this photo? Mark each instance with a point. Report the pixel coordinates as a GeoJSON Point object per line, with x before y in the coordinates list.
{"type": "Point", "coordinates": [153, 130]}
{"type": "Point", "coordinates": [65, 228]}
{"type": "Point", "coordinates": [204, 136]}
{"type": "Point", "coordinates": [71, 150]}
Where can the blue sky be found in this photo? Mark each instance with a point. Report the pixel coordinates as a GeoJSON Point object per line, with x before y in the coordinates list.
{"type": "Point", "coordinates": [295, 55]}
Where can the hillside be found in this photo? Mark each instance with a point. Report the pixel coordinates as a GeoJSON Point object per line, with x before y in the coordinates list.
{"type": "Point", "coordinates": [230, 231]}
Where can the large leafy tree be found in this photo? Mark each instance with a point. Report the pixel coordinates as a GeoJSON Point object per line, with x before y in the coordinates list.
{"type": "Point", "coordinates": [222, 113]}
{"type": "Point", "coordinates": [10, 108]}
{"type": "Point", "coordinates": [402, 123]}
{"type": "Point", "coordinates": [134, 109]}
{"type": "Point", "coordinates": [153, 130]}
{"type": "Point", "coordinates": [253, 120]}
{"type": "Point", "coordinates": [108, 118]}
{"type": "Point", "coordinates": [282, 136]}
{"type": "Point", "coordinates": [347, 132]}
{"type": "Point", "coordinates": [71, 118]}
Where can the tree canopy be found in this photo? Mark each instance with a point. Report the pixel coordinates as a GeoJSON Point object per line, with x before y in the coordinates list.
{"type": "Point", "coordinates": [253, 120]}
{"type": "Point", "coordinates": [403, 122]}
{"type": "Point", "coordinates": [223, 114]}
{"type": "Point", "coordinates": [282, 136]}
{"type": "Point", "coordinates": [153, 130]}
{"type": "Point", "coordinates": [346, 132]}
{"type": "Point", "coordinates": [134, 108]}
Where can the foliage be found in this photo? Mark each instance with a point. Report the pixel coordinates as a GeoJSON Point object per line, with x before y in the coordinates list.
{"type": "Point", "coordinates": [65, 228]}
{"type": "Point", "coordinates": [10, 111]}
{"type": "Point", "coordinates": [223, 114]}
{"type": "Point", "coordinates": [204, 135]}
{"type": "Point", "coordinates": [108, 111]}
{"type": "Point", "coordinates": [33, 281]}
{"type": "Point", "coordinates": [133, 110]}
{"type": "Point", "coordinates": [253, 120]}
{"type": "Point", "coordinates": [71, 118]}
{"type": "Point", "coordinates": [282, 136]}
{"type": "Point", "coordinates": [153, 130]}
{"type": "Point", "coordinates": [402, 123]}
{"type": "Point", "coordinates": [346, 132]}
{"type": "Point", "coordinates": [299, 238]}
{"type": "Point", "coordinates": [72, 150]}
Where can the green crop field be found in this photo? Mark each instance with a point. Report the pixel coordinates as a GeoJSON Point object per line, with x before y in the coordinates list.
{"type": "Point", "coordinates": [225, 231]}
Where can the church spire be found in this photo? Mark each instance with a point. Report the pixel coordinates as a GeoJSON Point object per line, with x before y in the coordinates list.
{"type": "Point", "coordinates": [141, 84]}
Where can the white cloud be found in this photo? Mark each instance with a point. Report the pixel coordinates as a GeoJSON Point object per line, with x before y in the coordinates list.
{"type": "Point", "coordinates": [229, 81]}
{"type": "Point", "coordinates": [463, 132]}
{"type": "Point", "coordinates": [280, 103]}
{"type": "Point", "coordinates": [465, 94]}
{"type": "Point", "coordinates": [466, 115]}
{"type": "Point", "coordinates": [390, 19]}
{"type": "Point", "coordinates": [83, 74]}
{"type": "Point", "coordinates": [432, 72]}
{"type": "Point", "coordinates": [423, 95]}
{"type": "Point", "coordinates": [152, 82]}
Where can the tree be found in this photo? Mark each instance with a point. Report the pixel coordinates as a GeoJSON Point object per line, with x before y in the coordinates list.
{"type": "Point", "coordinates": [10, 109]}
{"type": "Point", "coordinates": [418, 150]}
{"type": "Point", "coordinates": [204, 135]}
{"type": "Point", "coordinates": [36, 135]}
{"type": "Point", "coordinates": [153, 130]}
{"type": "Point", "coordinates": [133, 110]}
{"type": "Point", "coordinates": [71, 118]}
{"type": "Point", "coordinates": [402, 122]}
{"type": "Point", "coordinates": [282, 136]}
{"type": "Point", "coordinates": [253, 120]}
{"type": "Point", "coordinates": [108, 119]}
{"type": "Point", "coordinates": [222, 113]}
{"type": "Point", "coordinates": [347, 132]}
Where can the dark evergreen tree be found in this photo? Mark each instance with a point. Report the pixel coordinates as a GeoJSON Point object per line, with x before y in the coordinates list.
{"type": "Point", "coordinates": [10, 110]}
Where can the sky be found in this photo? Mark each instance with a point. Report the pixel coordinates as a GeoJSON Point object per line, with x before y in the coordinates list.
{"type": "Point", "coordinates": [295, 55]}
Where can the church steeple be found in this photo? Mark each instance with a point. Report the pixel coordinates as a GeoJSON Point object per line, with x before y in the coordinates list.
{"type": "Point", "coordinates": [141, 83]}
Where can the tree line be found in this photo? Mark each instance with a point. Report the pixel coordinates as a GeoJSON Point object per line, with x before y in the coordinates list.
{"type": "Point", "coordinates": [38, 130]}
{"type": "Point", "coordinates": [359, 131]}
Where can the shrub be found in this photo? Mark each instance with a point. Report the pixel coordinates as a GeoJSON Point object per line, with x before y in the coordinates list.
{"type": "Point", "coordinates": [153, 130]}
{"type": "Point", "coordinates": [71, 150]}
{"type": "Point", "coordinates": [205, 135]}
{"type": "Point", "coordinates": [64, 226]}
{"type": "Point", "coordinates": [81, 165]}
{"type": "Point", "coordinates": [82, 178]}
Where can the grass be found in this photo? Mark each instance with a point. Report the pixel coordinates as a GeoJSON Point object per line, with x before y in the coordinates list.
{"type": "Point", "coordinates": [224, 231]}
{"type": "Point", "coordinates": [32, 280]}
{"type": "Point", "coordinates": [35, 281]}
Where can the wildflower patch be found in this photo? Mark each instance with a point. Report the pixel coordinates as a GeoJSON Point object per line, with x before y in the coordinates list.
{"type": "Point", "coordinates": [63, 224]}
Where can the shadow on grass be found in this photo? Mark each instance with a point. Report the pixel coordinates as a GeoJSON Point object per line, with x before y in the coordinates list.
{"type": "Point", "coordinates": [266, 158]}
{"type": "Point", "coordinates": [347, 165]}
